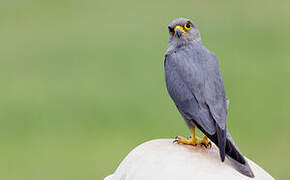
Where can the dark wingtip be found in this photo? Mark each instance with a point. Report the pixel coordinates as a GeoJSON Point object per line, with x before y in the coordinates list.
{"type": "Point", "coordinates": [222, 157]}
{"type": "Point", "coordinates": [222, 154]}
{"type": "Point", "coordinates": [221, 137]}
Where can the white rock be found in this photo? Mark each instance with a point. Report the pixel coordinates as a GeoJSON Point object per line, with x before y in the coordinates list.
{"type": "Point", "coordinates": [163, 160]}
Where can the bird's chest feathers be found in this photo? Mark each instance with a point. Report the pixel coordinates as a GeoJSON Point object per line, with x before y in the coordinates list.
{"type": "Point", "coordinates": [191, 62]}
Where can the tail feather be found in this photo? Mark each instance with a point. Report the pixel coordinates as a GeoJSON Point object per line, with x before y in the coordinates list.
{"type": "Point", "coordinates": [236, 158]}
{"type": "Point", "coordinates": [229, 149]}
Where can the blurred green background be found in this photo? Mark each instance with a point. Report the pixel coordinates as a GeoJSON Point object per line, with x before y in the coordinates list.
{"type": "Point", "coordinates": [82, 82]}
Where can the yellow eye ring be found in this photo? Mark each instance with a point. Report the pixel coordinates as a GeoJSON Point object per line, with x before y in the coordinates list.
{"type": "Point", "coordinates": [188, 26]}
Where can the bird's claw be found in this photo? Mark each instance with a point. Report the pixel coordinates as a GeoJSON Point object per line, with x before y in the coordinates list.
{"type": "Point", "coordinates": [175, 139]}
{"type": "Point", "coordinates": [206, 145]}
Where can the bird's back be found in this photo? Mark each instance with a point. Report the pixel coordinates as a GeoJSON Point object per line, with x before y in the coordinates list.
{"type": "Point", "coordinates": [192, 87]}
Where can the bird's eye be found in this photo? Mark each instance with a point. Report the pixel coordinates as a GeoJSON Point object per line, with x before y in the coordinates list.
{"type": "Point", "coordinates": [187, 26]}
{"type": "Point", "coordinates": [171, 30]}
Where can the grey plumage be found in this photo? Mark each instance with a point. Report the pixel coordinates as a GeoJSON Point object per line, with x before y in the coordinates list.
{"type": "Point", "coordinates": [194, 82]}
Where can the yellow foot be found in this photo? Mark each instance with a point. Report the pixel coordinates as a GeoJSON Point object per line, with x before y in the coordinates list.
{"type": "Point", "coordinates": [193, 140]}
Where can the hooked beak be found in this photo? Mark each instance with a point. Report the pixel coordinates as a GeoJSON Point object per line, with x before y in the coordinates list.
{"type": "Point", "coordinates": [178, 31]}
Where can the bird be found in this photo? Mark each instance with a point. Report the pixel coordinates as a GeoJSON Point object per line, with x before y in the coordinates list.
{"type": "Point", "coordinates": [194, 82]}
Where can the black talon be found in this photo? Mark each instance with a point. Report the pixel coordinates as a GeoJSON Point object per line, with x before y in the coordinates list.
{"type": "Point", "coordinates": [175, 139]}
{"type": "Point", "coordinates": [206, 145]}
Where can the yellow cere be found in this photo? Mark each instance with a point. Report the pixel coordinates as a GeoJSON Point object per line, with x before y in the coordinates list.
{"type": "Point", "coordinates": [180, 28]}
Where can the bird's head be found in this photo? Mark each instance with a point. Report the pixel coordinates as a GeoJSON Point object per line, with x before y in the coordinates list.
{"type": "Point", "coordinates": [183, 30]}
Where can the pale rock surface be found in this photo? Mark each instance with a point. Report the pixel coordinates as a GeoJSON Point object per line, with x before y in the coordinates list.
{"type": "Point", "coordinates": [163, 160]}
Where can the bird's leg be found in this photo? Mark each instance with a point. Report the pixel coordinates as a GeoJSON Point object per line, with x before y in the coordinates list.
{"type": "Point", "coordinates": [193, 140]}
